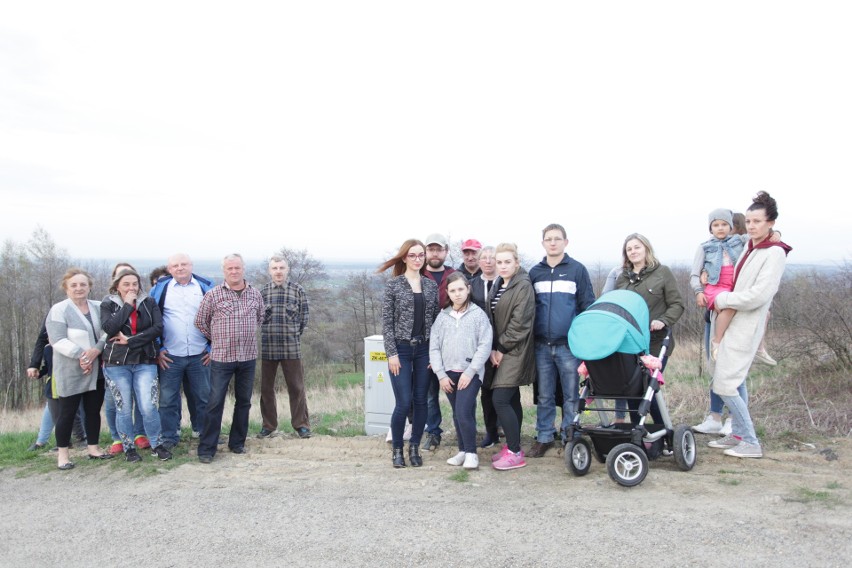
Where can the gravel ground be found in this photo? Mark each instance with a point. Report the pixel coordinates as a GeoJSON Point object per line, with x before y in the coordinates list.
{"type": "Point", "coordinates": [337, 501]}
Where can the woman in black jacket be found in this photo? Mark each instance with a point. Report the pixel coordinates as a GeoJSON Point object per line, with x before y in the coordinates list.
{"type": "Point", "coordinates": [132, 322]}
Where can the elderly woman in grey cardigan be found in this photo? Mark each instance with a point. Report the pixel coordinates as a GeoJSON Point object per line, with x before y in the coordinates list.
{"type": "Point", "coordinates": [757, 276]}
{"type": "Point", "coordinates": [459, 346]}
{"type": "Point", "coordinates": [74, 329]}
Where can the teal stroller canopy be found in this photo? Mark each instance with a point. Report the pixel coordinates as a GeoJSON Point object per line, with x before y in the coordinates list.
{"type": "Point", "coordinates": [616, 322]}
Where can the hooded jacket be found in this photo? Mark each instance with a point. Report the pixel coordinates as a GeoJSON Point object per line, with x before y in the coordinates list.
{"type": "Point", "coordinates": [460, 344]}
{"type": "Point", "coordinates": [141, 347]}
{"type": "Point", "coordinates": [512, 321]}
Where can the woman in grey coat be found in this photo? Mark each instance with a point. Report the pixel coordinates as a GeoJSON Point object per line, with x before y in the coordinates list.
{"type": "Point", "coordinates": [512, 302]}
{"type": "Point", "coordinates": [74, 328]}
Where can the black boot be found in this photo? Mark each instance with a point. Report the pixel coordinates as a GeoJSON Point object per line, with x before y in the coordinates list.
{"type": "Point", "coordinates": [398, 459]}
{"type": "Point", "coordinates": [414, 455]}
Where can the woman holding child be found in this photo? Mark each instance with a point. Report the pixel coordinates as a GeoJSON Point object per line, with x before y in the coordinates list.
{"type": "Point", "coordinates": [756, 277]}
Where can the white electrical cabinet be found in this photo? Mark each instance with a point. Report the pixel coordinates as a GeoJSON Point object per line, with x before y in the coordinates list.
{"type": "Point", "coordinates": [378, 392]}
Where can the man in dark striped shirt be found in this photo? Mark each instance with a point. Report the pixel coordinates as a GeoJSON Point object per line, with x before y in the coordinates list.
{"type": "Point", "coordinates": [280, 344]}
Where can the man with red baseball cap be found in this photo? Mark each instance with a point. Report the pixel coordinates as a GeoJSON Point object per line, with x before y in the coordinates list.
{"type": "Point", "coordinates": [470, 250]}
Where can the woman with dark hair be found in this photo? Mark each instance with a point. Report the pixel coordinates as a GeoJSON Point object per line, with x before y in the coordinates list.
{"type": "Point", "coordinates": [74, 329]}
{"type": "Point", "coordinates": [459, 346]}
{"type": "Point", "coordinates": [757, 276]}
{"type": "Point", "coordinates": [139, 438]}
{"type": "Point", "coordinates": [409, 307]}
{"type": "Point", "coordinates": [132, 322]}
{"type": "Point", "coordinates": [512, 303]}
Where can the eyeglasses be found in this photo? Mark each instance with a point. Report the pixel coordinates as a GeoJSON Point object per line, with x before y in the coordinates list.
{"type": "Point", "coordinates": [412, 256]}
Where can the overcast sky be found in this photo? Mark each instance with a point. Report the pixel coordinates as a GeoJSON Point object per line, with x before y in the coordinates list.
{"type": "Point", "coordinates": [137, 130]}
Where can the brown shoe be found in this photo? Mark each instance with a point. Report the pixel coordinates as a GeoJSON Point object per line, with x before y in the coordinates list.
{"type": "Point", "coordinates": [538, 449]}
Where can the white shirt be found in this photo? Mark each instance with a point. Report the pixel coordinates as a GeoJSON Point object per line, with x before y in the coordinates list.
{"type": "Point", "coordinates": [180, 336]}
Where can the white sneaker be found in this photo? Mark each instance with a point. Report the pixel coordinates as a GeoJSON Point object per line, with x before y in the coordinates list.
{"type": "Point", "coordinates": [709, 426]}
{"type": "Point", "coordinates": [726, 429]}
{"type": "Point", "coordinates": [725, 443]}
{"type": "Point", "coordinates": [763, 357]}
{"type": "Point", "coordinates": [471, 461]}
{"type": "Point", "coordinates": [745, 450]}
{"type": "Point", "coordinates": [457, 459]}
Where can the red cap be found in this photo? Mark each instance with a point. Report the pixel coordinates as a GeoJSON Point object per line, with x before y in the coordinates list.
{"type": "Point", "coordinates": [471, 244]}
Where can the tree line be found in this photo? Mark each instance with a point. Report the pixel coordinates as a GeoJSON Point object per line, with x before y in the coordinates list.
{"type": "Point", "coordinates": [811, 316]}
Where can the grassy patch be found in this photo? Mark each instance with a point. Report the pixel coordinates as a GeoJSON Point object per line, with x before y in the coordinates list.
{"type": "Point", "coordinates": [807, 495]}
{"type": "Point", "coordinates": [729, 481]}
{"type": "Point", "coordinates": [833, 485]}
{"type": "Point", "coordinates": [461, 476]}
{"type": "Point", "coordinates": [346, 423]}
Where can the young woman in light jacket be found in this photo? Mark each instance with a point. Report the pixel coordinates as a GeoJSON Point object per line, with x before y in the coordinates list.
{"type": "Point", "coordinates": [459, 346]}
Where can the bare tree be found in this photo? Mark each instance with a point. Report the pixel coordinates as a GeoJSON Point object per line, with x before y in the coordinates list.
{"type": "Point", "coordinates": [360, 308]}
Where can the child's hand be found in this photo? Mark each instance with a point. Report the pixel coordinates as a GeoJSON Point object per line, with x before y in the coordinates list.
{"type": "Point", "coordinates": [701, 300]}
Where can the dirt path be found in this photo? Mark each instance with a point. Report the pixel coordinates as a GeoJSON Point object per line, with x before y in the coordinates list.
{"type": "Point", "coordinates": [337, 501]}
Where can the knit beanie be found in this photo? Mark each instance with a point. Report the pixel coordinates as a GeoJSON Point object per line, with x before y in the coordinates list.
{"type": "Point", "coordinates": [722, 215]}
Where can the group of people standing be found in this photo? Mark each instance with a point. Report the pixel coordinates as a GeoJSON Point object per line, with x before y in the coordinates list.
{"type": "Point", "coordinates": [494, 328]}
{"type": "Point", "coordinates": [139, 350]}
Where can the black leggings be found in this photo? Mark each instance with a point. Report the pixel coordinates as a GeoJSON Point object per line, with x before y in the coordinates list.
{"type": "Point", "coordinates": [489, 415]}
{"type": "Point", "coordinates": [507, 403]}
{"type": "Point", "coordinates": [92, 402]}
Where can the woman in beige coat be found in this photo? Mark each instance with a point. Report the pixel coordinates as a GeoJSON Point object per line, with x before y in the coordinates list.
{"type": "Point", "coordinates": [757, 276]}
{"type": "Point", "coordinates": [512, 312]}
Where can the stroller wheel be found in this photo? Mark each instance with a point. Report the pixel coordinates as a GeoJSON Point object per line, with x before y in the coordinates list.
{"type": "Point", "coordinates": [684, 447]}
{"type": "Point", "coordinates": [627, 465]}
{"type": "Point", "coordinates": [578, 457]}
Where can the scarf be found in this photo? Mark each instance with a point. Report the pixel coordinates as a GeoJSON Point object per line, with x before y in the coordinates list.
{"type": "Point", "coordinates": [765, 243]}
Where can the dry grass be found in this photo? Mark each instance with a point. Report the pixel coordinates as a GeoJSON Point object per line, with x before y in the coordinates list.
{"type": "Point", "coordinates": [786, 402]}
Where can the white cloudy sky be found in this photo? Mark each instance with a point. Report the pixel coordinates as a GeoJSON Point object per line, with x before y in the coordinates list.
{"type": "Point", "coordinates": [139, 129]}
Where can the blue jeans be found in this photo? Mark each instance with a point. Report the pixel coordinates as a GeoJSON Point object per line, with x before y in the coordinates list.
{"type": "Point", "coordinates": [220, 378]}
{"type": "Point", "coordinates": [433, 406]}
{"type": "Point", "coordinates": [46, 426]}
{"type": "Point", "coordinates": [170, 383]}
{"type": "Point", "coordinates": [464, 411]}
{"type": "Point", "coordinates": [741, 424]}
{"type": "Point", "coordinates": [129, 384]}
{"type": "Point", "coordinates": [717, 404]}
{"type": "Point", "coordinates": [409, 388]}
{"type": "Point", "coordinates": [109, 410]}
{"type": "Point", "coordinates": [554, 363]}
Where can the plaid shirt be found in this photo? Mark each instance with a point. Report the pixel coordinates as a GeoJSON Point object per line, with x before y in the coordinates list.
{"type": "Point", "coordinates": [288, 315]}
{"type": "Point", "coordinates": [229, 320]}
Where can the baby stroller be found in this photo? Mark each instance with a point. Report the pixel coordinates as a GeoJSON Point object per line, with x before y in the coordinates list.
{"type": "Point", "coordinates": [610, 337]}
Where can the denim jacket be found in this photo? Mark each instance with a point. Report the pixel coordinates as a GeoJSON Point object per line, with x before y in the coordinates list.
{"type": "Point", "coordinates": [709, 257]}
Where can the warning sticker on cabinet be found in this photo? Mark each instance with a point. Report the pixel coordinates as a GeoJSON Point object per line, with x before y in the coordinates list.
{"type": "Point", "coordinates": [378, 356]}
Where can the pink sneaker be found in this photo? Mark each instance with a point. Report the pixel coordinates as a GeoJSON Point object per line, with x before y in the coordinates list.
{"type": "Point", "coordinates": [510, 461]}
{"type": "Point", "coordinates": [501, 454]}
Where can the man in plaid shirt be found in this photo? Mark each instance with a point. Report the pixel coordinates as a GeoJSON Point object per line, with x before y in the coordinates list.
{"type": "Point", "coordinates": [228, 316]}
{"type": "Point", "coordinates": [280, 344]}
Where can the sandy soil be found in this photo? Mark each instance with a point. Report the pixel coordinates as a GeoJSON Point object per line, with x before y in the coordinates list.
{"type": "Point", "coordinates": [337, 501]}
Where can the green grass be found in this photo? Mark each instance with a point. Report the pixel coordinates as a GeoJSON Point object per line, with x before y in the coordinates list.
{"type": "Point", "coordinates": [805, 495]}
{"type": "Point", "coordinates": [346, 380]}
{"type": "Point", "coordinates": [833, 485]}
{"type": "Point", "coordinates": [346, 423]}
{"type": "Point", "coordinates": [461, 476]}
{"type": "Point", "coordinates": [729, 481]}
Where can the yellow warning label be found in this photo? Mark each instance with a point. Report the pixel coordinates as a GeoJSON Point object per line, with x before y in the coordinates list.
{"type": "Point", "coordinates": [380, 378]}
{"type": "Point", "coordinates": [378, 356]}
